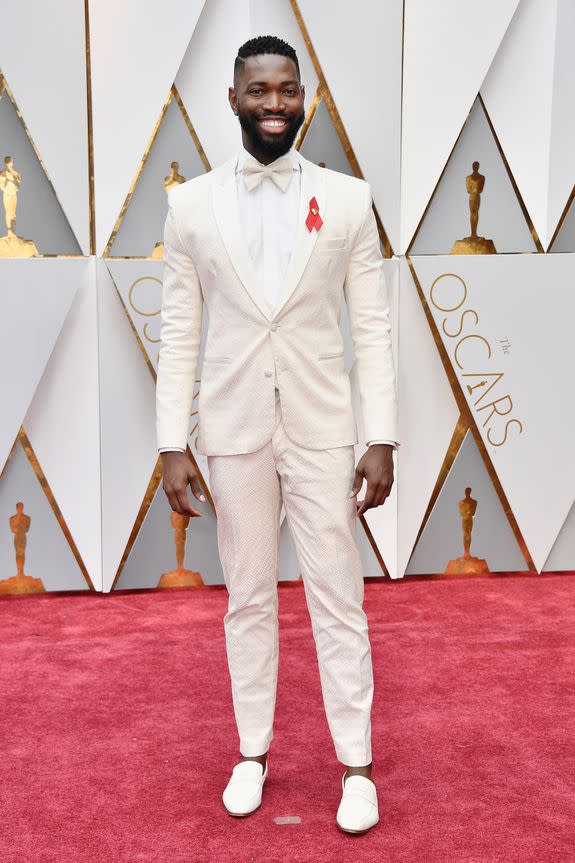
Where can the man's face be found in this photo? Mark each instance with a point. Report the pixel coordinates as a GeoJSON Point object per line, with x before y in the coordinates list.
{"type": "Point", "coordinates": [269, 102]}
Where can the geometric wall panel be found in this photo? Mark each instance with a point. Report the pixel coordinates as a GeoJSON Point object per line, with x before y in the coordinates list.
{"type": "Point", "coordinates": [136, 49]}
{"type": "Point", "coordinates": [500, 216]}
{"type": "Point", "coordinates": [504, 322]}
{"type": "Point", "coordinates": [173, 155]}
{"type": "Point", "coordinates": [528, 92]}
{"type": "Point", "coordinates": [43, 56]}
{"type": "Point", "coordinates": [562, 556]}
{"type": "Point", "coordinates": [322, 144]}
{"type": "Point", "coordinates": [492, 538]}
{"type": "Point", "coordinates": [139, 284]}
{"type": "Point", "coordinates": [63, 422]}
{"type": "Point", "coordinates": [47, 553]}
{"type": "Point", "coordinates": [39, 222]}
{"type": "Point", "coordinates": [368, 33]}
{"type": "Point", "coordinates": [154, 550]}
{"type": "Point", "coordinates": [36, 295]}
{"type": "Point", "coordinates": [448, 50]}
{"type": "Point", "coordinates": [428, 414]}
{"type": "Point", "coordinates": [128, 445]}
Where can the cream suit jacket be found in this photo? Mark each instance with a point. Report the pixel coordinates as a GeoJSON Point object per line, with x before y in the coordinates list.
{"type": "Point", "coordinates": [206, 260]}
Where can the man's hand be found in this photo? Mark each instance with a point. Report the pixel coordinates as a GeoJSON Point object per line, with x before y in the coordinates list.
{"type": "Point", "coordinates": [376, 465]}
{"type": "Point", "coordinates": [177, 473]}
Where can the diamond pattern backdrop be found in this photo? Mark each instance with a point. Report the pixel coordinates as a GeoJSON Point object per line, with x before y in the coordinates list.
{"type": "Point", "coordinates": [460, 118]}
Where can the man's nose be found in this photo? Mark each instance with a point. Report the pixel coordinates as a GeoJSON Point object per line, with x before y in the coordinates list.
{"type": "Point", "coordinates": [274, 102]}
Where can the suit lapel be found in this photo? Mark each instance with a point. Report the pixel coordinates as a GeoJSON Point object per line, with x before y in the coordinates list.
{"type": "Point", "coordinates": [227, 214]}
{"type": "Point", "coordinates": [312, 185]}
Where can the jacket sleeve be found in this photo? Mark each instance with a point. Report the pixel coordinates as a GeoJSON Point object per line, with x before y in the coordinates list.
{"type": "Point", "coordinates": [180, 333]}
{"type": "Point", "coordinates": [367, 299]}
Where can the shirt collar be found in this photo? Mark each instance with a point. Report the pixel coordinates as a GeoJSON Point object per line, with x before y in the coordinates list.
{"type": "Point", "coordinates": [243, 154]}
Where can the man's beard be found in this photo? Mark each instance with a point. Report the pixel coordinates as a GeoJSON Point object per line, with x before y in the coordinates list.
{"type": "Point", "coordinates": [275, 145]}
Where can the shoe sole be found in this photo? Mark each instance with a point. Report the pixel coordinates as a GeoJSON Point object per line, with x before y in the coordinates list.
{"type": "Point", "coordinates": [240, 814]}
{"type": "Point", "coordinates": [347, 830]}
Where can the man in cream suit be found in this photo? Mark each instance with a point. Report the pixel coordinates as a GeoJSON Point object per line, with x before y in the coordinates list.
{"type": "Point", "coordinates": [268, 241]}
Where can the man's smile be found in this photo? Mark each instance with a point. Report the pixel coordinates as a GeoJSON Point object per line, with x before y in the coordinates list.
{"type": "Point", "coordinates": [273, 124]}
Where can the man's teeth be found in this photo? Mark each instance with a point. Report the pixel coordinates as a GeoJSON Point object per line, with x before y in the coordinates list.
{"type": "Point", "coordinates": [272, 122]}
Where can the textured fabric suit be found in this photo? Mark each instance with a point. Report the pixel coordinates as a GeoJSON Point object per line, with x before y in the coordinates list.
{"type": "Point", "coordinates": [276, 423]}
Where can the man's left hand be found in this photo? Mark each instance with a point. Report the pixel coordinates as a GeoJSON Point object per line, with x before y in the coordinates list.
{"type": "Point", "coordinates": [376, 465]}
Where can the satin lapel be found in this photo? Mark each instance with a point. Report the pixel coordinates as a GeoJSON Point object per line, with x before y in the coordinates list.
{"type": "Point", "coordinates": [312, 185]}
{"type": "Point", "coordinates": [227, 214]}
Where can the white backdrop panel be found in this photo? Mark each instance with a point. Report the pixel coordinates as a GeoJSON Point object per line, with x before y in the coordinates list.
{"type": "Point", "coordinates": [428, 414]}
{"type": "Point", "coordinates": [448, 48]}
{"type": "Point", "coordinates": [360, 53]}
{"type": "Point", "coordinates": [36, 297]}
{"type": "Point", "coordinates": [136, 50]}
{"type": "Point", "coordinates": [506, 322]}
{"type": "Point", "coordinates": [519, 94]}
{"type": "Point", "coordinates": [63, 423]}
{"type": "Point", "coordinates": [43, 58]}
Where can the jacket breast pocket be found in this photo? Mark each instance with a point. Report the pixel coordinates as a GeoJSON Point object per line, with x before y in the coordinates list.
{"type": "Point", "coordinates": [332, 356]}
{"type": "Point", "coordinates": [208, 360]}
{"type": "Point", "coordinates": [331, 244]}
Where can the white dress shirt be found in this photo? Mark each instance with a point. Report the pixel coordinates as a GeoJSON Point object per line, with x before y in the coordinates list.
{"type": "Point", "coordinates": [269, 220]}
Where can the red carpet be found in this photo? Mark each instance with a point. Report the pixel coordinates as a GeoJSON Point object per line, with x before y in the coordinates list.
{"type": "Point", "coordinates": [118, 732]}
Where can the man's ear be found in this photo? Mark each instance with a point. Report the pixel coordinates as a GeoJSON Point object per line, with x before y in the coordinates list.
{"type": "Point", "coordinates": [233, 99]}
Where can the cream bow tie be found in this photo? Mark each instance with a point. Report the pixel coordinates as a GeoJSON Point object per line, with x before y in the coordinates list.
{"type": "Point", "coordinates": [281, 172]}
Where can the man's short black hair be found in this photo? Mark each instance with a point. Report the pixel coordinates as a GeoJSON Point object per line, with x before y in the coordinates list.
{"type": "Point", "coordinates": [265, 45]}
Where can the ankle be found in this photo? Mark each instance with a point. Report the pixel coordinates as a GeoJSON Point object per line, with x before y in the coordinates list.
{"type": "Point", "coordinates": [261, 759]}
{"type": "Point", "coordinates": [359, 771]}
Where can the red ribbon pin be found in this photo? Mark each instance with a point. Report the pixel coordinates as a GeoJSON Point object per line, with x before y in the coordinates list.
{"type": "Point", "coordinates": [314, 220]}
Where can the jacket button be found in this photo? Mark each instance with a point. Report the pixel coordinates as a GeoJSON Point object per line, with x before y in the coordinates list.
{"type": "Point", "coordinates": [273, 328]}
{"type": "Point", "coordinates": [268, 373]}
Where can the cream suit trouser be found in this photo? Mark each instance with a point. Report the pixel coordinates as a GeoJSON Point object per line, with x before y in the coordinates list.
{"type": "Point", "coordinates": [315, 486]}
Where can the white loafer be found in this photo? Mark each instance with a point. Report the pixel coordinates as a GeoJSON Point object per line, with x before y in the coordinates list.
{"type": "Point", "coordinates": [243, 793]}
{"type": "Point", "coordinates": [357, 810]}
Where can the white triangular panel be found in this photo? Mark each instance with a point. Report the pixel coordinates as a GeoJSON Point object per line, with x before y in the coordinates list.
{"type": "Point", "coordinates": [63, 424]}
{"type": "Point", "coordinates": [519, 95]}
{"type": "Point", "coordinates": [136, 50]}
{"type": "Point", "coordinates": [505, 321]}
{"type": "Point", "coordinates": [207, 71]}
{"type": "Point", "coordinates": [128, 438]}
{"type": "Point", "coordinates": [139, 284]}
{"type": "Point", "coordinates": [37, 296]}
{"type": "Point", "coordinates": [50, 36]}
{"type": "Point", "coordinates": [366, 88]}
{"type": "Point", "coordinates": [428, 414]}
{"type": "Point", "coordinates": [562, 147]}
{"type": "Point", "coordinates": [448, 49]}
{"type": "Point", "coordinates": [562, 555]}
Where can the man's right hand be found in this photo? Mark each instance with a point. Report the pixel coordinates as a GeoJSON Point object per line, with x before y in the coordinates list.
{"type": "Point", "coordinates": [177, 472]}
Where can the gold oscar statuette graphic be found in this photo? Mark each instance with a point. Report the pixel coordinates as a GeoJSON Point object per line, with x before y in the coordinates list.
{"type": "Point", "coordinates": [20, 583]}
{"type": "Point", "coordinates": [11, 245]}
{"type": "Point", "coordinates": [174, 178]}
{"type": "Point", "coordinates": [180, 577]}
{"type": "Point", "coordinates": [467, 563]}
{"type": "Point", "coordinates": [474, 245]}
